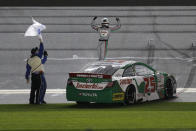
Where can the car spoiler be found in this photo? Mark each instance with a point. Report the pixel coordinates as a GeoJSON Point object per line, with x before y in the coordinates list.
{"type": "Point", "coordinates": [90, 75]}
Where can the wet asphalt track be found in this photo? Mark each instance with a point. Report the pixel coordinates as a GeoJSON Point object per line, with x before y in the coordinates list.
{"type": "Point", "coordinates": [159, 36]}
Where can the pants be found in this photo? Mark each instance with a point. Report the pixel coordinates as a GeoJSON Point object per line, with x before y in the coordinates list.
{"type": "Point", "coordinates": [42, 88]}
{"type": "Point", "coordinates": [35, 88]}
{"type": "Point", "coordinates": [102, 49]}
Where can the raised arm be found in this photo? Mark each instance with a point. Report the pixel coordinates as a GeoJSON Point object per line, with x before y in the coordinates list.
{"type": "Point", "coordinates": [116, 27]}
{"type": "Point", "coordinates": [94, 25]}
{"type": "Point", "coordinates": [41, 47]}
{"type": "Point", "coordinates": [45, 57]}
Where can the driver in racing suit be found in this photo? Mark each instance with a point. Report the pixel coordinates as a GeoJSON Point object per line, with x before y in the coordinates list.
{"type": "Point", "coordinates": [104, 31]}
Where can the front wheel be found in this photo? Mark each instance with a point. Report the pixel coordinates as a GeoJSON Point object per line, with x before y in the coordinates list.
{"type": "Point", "coordinates": [169, 90]}
{"type": "Point", "coordinates": [130, 95]}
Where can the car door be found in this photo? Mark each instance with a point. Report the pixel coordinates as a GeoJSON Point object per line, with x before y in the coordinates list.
{"type": "Point", "coordinates": [126, 78]}
{"type": "Point", "coordinates": [149, 77]}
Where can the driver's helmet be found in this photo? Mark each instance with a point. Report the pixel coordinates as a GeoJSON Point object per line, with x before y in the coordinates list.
{"type": "Point", "coordinates": [105, 22]}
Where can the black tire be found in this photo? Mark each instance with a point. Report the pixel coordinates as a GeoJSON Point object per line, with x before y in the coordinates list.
{"type": "Point", "coordinates": [82, 103]}
{"type": "Point", "coordinates": [130, 95]}
{"type": "Point", "coordinates": [169, 90]}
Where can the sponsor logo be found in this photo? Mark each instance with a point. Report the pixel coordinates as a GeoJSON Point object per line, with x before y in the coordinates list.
{"type": "Point", "coordinates": [118, 96]}
{"type": "Point", "coordinates": [118, 75]}
{"type": "Point", "coordinates": [91, 76]}
{"type": "Point", "coordinates": [150, 84]}
{"type": "Point", "coordinates": [89, 86]}
{"type": "Point", "coordinates": [125, 82]}
{"type": "Point", "coordinates": [88, 94]}
{"type": "Point", "coordinates": [89, 80]}
{"type": "Point", "coordinates": [104, 33]}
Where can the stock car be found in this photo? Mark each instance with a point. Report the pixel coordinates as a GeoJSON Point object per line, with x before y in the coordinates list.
{"type": "Point", "coordinates": [119, 81]}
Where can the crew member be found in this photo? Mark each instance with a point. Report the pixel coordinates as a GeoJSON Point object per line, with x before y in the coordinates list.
{"type": "Point", "coordinates": [104, 31]}
{"type": "Point", "coordinates": [35, 67]}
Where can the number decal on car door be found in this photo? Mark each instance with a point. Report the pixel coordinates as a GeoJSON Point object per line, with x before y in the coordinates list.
{"type": "Point", "coordinates": [149, 84]}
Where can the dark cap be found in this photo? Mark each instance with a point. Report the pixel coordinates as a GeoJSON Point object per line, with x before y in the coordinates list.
{"type": "Point", "coordinates": [33, 51]}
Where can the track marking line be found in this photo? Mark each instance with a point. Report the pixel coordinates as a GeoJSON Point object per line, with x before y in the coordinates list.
{"type": "Point", "coordinates": [63, 91]}
{"type": "Point", "coordinates": [27, 91]}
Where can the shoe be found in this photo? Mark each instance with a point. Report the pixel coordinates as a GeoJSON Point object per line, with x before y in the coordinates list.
{"type": "Point", "coordinates": [31, 103]}
{"type": "Point", "coordinates": [44, 102]}
{"type": "Point", "coordinates": [37, 103]}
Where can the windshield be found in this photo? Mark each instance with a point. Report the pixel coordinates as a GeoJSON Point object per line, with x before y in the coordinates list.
{"type": "Point", "coordinates": [103, 68]}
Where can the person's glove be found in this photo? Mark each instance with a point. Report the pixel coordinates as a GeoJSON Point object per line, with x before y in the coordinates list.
{"type": "Point", "coordinates": [95, 18]}
{"type": "Point", "coordinates": [45, 53]}
{"type": "Point", "coordinates": [117, 19]}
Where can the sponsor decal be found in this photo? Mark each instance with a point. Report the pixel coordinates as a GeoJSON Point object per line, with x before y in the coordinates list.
{"type": "Point", "coordinates": [89, 86]}
{"type": "Point", "coordinates": [118, 75]}
{"type": "Point", "coordinates": [161, 86]}
{"type": "Point", "coordinates": [118, 96]}
{"type": "Point", "coordinates": [89, 80]}
{"type": "Point", "coordinates": [160, 79]}
{"type": "Point", "coordinates": [141, 87]}
{"type": "Point", "coordinates": [125, 82]}
{"type": "Point", "coordinates": [88, 94]}
{"type": "Point", "coordinates": [161, 93]}
{"type": "Point", "coordinates": [149, 84]}
{"type": "Point", "coordinates": [104, 33]}
{"type": "Point", "coordinates": [90, 75]}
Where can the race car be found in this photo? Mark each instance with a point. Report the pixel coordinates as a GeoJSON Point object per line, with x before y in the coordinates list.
{"type": "Point", "coordinates": [119, 81]}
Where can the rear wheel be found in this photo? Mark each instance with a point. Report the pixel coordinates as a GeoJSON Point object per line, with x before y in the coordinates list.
{"type": "Point", "coordinates": [169, 90]}
{"type": "Point", "coordinates": [130, 95]}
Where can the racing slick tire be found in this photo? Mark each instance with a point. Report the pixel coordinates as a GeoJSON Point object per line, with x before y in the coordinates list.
{"type": "Point", "coordinates": [170, 87]}
{"type": "Point", "coordinates": [130, 95]}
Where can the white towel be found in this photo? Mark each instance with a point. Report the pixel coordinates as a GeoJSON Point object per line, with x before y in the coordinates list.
{"type": "Point", "coordinates": [35, 29]}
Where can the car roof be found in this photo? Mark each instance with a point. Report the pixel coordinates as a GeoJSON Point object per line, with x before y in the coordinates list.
{"type": "Point", "coordinates": [120, 63]}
